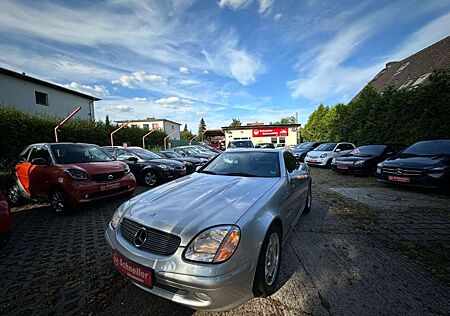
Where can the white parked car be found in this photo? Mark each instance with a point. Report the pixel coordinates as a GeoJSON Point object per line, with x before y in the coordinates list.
{"type": "Point", "coordinates": [323, 154]}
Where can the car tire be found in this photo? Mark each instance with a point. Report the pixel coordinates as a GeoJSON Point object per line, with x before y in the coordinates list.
{"type": "Point", "coordinates": [150, 178]}
{"type": "Point", "coordinates": [14, 196]}
{"type": "Point", "coordinates": [328, 164]}
{"type": "Point", "coordinates": [265, 281]}
{"type": "Point", "coordinates": [59, 202]}
{"type": "Point", "coordinates": [308, 201]}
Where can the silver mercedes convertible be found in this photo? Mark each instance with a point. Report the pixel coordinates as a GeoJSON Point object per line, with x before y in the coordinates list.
{"type": "Point", "coordinates": [213, 240]}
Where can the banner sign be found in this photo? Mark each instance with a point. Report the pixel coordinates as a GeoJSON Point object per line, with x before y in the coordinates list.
{"type": "Point", "coordinates": [270, 132]}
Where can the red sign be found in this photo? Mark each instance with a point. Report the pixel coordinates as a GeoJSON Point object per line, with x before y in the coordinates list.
{"type": "Point", "coordinates": [270, 132]}
{"type": "Point", "coordinates": [137, 273]}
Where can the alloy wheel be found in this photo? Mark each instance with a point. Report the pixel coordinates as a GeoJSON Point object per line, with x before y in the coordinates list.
{"type": "Point", "coordinates": [150, 178]}
{"type": "Point", "coordinates": [272, 259]}
{"type": "Point", "coordinates": [14, 194]}
{"type": "Point", "coordinates": [57, 202]}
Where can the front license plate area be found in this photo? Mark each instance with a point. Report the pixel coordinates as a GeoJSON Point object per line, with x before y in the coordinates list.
{"type": "Point", "coordinates": [134, 271]}
{"type": "Point", "coordinates": [109, 186]}
{"type": "Point", "coordinates": [400, 179]}
{"type": "Point", "coordinates": [342, 167]}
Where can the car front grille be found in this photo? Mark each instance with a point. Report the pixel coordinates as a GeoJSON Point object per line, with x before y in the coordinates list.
{"type": "Point", "coordinates": [402, 172]}
{"type": "Point", "coordinates": [157, 242]}
{"type": "Point", "coordinates": [106, 177]}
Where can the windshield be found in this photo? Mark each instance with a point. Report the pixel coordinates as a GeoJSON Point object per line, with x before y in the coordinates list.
{"type": "Point", "coordinates": [79, 153]}
{"type": "Point", "coordinates": [304, 146]}
{"type": "Point", "coordinates": [145, 154]}
{"type": "Point", "coordinates": [326, 147]}
{"type": "Point", "coordinates": [429, 148]}
{"type": "Point", "coordinates": [171, 154]}
{"type": "Point", "coordinates": [240, 144]}
{"type": "Point", "coordinates": [265, 145]}
{"type": "Point", "coordinates": [372, 150]}
{"type": "Point", "coordinates": [247, 164]}
{"type": "Point", "coordinates": [190, 150]}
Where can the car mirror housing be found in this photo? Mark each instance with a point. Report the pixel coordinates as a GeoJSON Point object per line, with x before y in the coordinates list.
{"type": "Point", "coordinates": [133, 159]}
{"type": "Point", "coordinates": [198, 168]}
{"type": "Point", "coordinates": [39, 161]}
{"type": "Point", "coordinates": [337, 150]}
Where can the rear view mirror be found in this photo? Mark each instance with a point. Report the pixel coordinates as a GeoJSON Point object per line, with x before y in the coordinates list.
{"type": "Point", "coordinates": [39, 161]}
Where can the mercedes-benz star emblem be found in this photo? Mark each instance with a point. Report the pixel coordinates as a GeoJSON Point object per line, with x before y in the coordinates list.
{"type": "Point", "coordinates": [398, 171]}
{"type": "Point", "coordinates": [140, 237]}
{"type": "Point", "coordinates": [110, 177]}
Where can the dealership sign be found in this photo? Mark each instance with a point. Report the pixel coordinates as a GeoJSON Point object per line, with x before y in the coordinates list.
{"type": "Point", "coordinates": [270, 132]}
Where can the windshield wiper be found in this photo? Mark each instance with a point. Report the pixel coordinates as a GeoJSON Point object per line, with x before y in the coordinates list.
{"type": "Point", "coordinates": [242, 174]}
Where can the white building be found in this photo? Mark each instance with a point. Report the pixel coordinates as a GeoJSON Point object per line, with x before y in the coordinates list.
{"type": "Point", "coordinates": [33, 95]}
{"type": "Point", "coordinates": [167, 126]}
{"type": "Point", "coordinates": [279, 135]}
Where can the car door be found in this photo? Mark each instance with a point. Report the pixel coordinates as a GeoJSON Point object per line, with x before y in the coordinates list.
{"type": "Point", "coordinates": [40, 176]}
{"type": "Point", "coordinates": [298, 188]}
{"type": "Point", "coordinates": [22, 168]}
{"type": "Point", "coordinates": [130, 159]}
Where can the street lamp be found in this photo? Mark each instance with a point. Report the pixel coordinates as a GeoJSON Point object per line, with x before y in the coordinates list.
{"type": "Point", "coordinates": [165, 145]}
{"type": "Point", "coordinates": [116, 130]}
{"type": "Point", "coordinates": [143, 137]}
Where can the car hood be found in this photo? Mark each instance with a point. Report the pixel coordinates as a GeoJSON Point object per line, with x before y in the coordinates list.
{"type": "Point", "coordinates": [416, 162]}
{"type": "Point", "coordinates": [98, 167]}
{"type": "Point", "coordinates": [163, 161]}
{"type": "Point", "coordinates": [354, 158]}
{"type": "Point", "coordinates": [300, 151]}
{"type": "Point", "coordinates": [191, 204]}
{"type": "Point", "coordinates": [206, 156]}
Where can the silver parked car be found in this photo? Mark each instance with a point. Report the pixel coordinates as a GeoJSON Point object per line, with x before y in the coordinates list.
{"type": "Point", "coordinates": [213, 240]}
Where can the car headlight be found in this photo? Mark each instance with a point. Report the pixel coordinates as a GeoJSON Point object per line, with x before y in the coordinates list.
{"type": "Point", "coordinates": [166, 167]}
{"type": "Point", "coordinates": [214, 245]}
{"type": "Point", "coordinates": [77, 174]}
{"type": "Point", "coordinates": [187, 163]}
{"type": "Point", "coordinates": [359, 163]}
{"type": "Point", "coordinates": [323, 155]}
{"type": "Point", "coordinates": [380, 165]}
{"type": "Point", "coordinates": [127, 169]}
{"type": "Point", "coordinates": [119, 213]}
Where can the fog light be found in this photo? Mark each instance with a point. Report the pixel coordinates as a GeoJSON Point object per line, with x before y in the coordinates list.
{"type": "Point", "coordinates": [378, 170]}
{"type": "Point", "coordinates": [86, 196]}
{"type": "Point", "coordinates": [202, 296]}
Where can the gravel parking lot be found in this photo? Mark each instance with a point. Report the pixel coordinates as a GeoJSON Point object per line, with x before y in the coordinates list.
{"type": "Point", "coordinates": [350, 255]}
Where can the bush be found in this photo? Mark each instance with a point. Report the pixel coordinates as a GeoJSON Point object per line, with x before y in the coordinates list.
{"type": "Point", "coordinates": [19, 129]}
{"type": "Point", "coordinates": [394, 116]}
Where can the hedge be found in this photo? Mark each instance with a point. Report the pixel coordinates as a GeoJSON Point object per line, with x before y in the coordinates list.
{"type": "Point", "coordinates": [393, 116]}
{"type": "Point", "coordinates": [19, 129]}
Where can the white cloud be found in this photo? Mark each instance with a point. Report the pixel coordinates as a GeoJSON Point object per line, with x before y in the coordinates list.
{"type": "Point", "coordinates": [174, 102]}
{"type": "Point", "coordinates": [122, 108]}
{"type": "Point", "coordinates": [234, 62]}
{"type": "Point", "coordinates": [277, 16]}
{"type": "Point", "coordinates": [200, 113]}
{"type": "Point", "coordinates": [139, 99]}
{"type": "Point", "coordinates": [234, 4]}
{"type": "Point", "coordinates": [169, 100]}
{"type": "Point", "coordinates": [206, 72]}
{"type": "Point", "coordinates": [139, 79]}
{"type": "Point", "coordinates": [265, 6]}
{"type": "Point", "coordinates": [184, 70]}
{"type": "Point", "coordinates": [98, 91]}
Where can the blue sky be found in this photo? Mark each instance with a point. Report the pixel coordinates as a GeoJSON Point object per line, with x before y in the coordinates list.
{"type": "Point", "coordinates": [256, 60]}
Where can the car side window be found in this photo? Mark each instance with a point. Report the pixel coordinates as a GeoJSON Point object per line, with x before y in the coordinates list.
{"type": "Point", "coordinates": [289, 161]}
{"type": "Point", "coordinates": [348, 147]}
{"type": "Point", "coordinates": [24, 156]}
{"type": "Point", "coordinates": [122, 154]}
{"type": "Point", "coordinates": [39, 152]}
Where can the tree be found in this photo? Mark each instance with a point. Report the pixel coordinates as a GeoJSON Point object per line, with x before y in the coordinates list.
{"type": "Point", "coordinates": [107, 122]}
{"type": "Point", "coordinates": [286, 120]}
{"type": "Point", "coordinates": [235, 122]}
{"type": "Point", "coordinates": [186, 134]}
{"type": "Point", "coordinates": [201, 127]}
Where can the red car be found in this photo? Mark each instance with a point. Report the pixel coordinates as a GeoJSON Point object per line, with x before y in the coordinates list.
{"type": "Point", "coordinates": [5, 221]}
{"type": "Point", "coordinates": [67, 174]}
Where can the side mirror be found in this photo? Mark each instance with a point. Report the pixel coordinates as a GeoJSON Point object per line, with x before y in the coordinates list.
{"type": "Point", "coordinates": [198, 168]}
{"type": "Point", "coordinates": [390, 153]}
{"type": "Point", "coordinates": [132, 159]}
{"type": "Point", "coordinates": [39, 161]}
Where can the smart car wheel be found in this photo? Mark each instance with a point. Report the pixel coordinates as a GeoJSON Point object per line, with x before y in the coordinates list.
{"type": "Point", "coordinates": [58, 202]}
{"type": "Point", "coordinates": [308, 201]}
{"type": "Point", "coordinates": [269, 262]}
{"type": "Point", "coordinates": [150, 178]}
{"type": "Point", "coordinates": [14, 195]}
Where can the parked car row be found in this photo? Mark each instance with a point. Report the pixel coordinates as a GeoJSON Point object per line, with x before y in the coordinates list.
{"type": "Point", "coordinates": [69, 174]}
{"type": "Point", "coordinates": [424, 164]}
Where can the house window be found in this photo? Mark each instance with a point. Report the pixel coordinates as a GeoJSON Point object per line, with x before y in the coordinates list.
{"type": "Point", "coordinates": [41, 98]}
{"type": "Point", "coordinates": [145, 126]}
{"type": "Point", "coordinates": [155, 126]}
{"type": "Point", "coordinates": [173, 127]}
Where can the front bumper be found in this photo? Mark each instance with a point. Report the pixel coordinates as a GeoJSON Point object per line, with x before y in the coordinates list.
{"type": "Point", "coordinates": [316, 161]}
{"type": "Point", "coordinates": [87, 191]}
{"type": "Point", "coordinates": [352, 170]}
{"type": "Point", "coordinates": [420, 181]}
{"type": "Point", "coordinates": [210, 287]}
